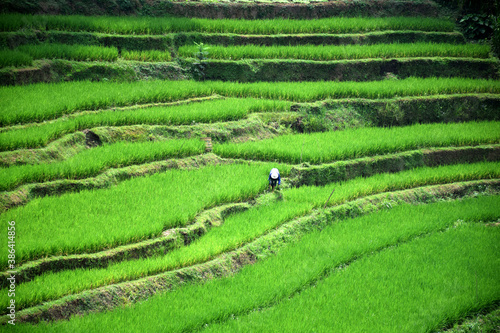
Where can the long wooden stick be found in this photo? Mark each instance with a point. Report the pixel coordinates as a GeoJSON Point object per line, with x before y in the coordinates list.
{"type": "Point", "coordinates": [329, 198]}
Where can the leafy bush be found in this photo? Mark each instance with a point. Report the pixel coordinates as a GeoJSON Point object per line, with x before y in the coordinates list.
{"type": "Point", "coordinates": [473, 6]}
{"type": "Point", "coordinates": [478, 26]}
{"type": "Point", "coordinates": [495, 40]}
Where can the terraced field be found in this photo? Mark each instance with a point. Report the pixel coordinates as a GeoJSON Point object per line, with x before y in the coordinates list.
{"type": "Point", "coordinates": [135, 154]}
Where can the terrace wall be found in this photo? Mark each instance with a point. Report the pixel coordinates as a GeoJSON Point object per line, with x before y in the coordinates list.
{"type": "Point", "coordinates": [64, 70]}
{"type": "Point", "coordinates": [407, 111]}
{"type": "Point", "coordinates": [340, 171]}
{"type": "Point", "coordinates": [348, 70]}
{"type": "Point", "coordinates": [253, 70]}
{"type": "Point", "coordinates": [168, 41]}
{"type": "Point", "coordinates": [224, 10]}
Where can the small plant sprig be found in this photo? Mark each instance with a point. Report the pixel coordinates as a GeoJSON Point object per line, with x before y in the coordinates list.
{"type": "Point", "coordinates": [200, 63]}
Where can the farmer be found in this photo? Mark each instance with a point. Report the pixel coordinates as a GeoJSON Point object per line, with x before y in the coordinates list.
{"type": "Point", "coordinates": [274, 177]}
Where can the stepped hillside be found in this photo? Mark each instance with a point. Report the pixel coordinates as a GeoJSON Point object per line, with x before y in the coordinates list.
{"type": "Point", "coordinates": [137, 137]}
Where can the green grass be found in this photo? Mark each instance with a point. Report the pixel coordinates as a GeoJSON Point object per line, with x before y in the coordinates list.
{"type": "Point", "coordinates": [84, 53]}
{"type": "Point", "coordinates": [70, 52]}
{"type": "Point", "coordinates": [184, 114]}
{"type": "Point", "coordinates": [415, 287]}
{"type": "Point", "coordinates": [322, 52]}
{"type": "Point", "coordinates": [243, 227]}
{"type": "Point", "coordinates": [442, 260]}
{"type": "Point", "coordinates": [93, 161]}
{"type": "Point", "coordinates": [151, 25]}
{"type": "Point", "coordinates": [146, 55]}
{"type": "Point", "coordinates": [236, 230]}
{"type": "Point", "coordinates": [360, 187]}
{"type": "Point", "coordinates": [353, 143]}
{"type": "Point", "coordinates": [133, 210]}
{"type": "Point", "coordinates": [39, 102]}
{"type": "Point", "coordinates": [10, 58]}
{"type": "Point", "coordinates": [24, 55]}
{"type": "Point", "coordinates": [480, 322]}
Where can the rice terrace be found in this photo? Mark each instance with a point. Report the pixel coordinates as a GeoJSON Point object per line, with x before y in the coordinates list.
{"type": "Point", "coordinates": [250, 166]}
